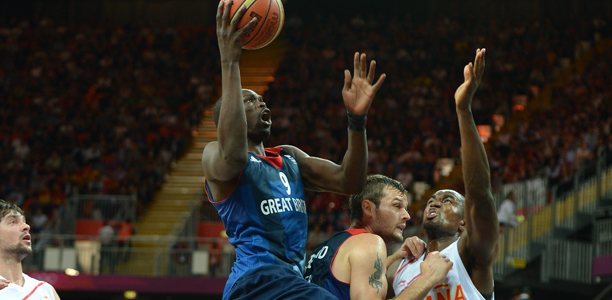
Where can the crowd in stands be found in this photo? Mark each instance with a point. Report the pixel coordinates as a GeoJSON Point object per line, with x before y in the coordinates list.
{"type": "Point", "coordinates": [412, 123]}
{"type": "Point", "coordinates": [100, 109]}
{"type": "Point", "coordinates": [97, 109]}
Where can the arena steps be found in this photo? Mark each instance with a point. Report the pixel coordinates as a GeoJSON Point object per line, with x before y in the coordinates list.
{"type": "Point", "coordinates": [186, 179]}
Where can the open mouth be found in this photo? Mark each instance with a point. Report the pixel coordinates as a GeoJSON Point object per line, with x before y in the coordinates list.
{"type": "Point", "coordinates": [266, 116]}
{"type": "Point", "coordinates": [27, 237]}
{"type": "Point", "coordinates": [401, 227]}
{"type": "Point", "coordinates": [432, 213]}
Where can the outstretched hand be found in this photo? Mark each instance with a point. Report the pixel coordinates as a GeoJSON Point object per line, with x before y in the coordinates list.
{"type": "Point", "coordinates": [472, 75]}
{"type": "Point", "coordinates": [358, 92]}
{"type": "Point", "coordinates": [228, 36]}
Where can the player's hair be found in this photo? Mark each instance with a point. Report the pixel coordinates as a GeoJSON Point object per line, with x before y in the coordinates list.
{"type": "Point", "coordinates": [373, 190]}
{"type": "Point", "coordinates": [217, 111]}
{"type": "Point", "coordinates": [6, 208]}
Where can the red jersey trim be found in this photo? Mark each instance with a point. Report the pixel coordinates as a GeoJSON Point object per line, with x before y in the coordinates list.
{"type": "Point", "coordinates": [275, 160]}
{"type": "Point", "coordinates": [210, 198]}
{"type": "Point", "coordinates": [353, 233]}
{"type": "Point", "coordinates": [34, 290]}
{"type": "Point", "coordinates": [398, 270]}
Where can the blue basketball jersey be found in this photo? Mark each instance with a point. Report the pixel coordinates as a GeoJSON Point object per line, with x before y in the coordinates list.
{"type": "Point", "coordinates": [319, 267]}
{"type": "Point", "coordinates": [265, 216]}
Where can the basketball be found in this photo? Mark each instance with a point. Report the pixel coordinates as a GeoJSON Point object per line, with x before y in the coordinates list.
{"type": "Point", "coordinates": [270, 19]}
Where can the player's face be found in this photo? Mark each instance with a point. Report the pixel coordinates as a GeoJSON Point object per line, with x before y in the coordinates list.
{"type": "Point", "coordinates": [259, 119]}
{"type": "Point", "coordinates": [443, 212]}
{"type": "Point", "coordinates": [15, 239]}
{"type": "Point", "coordinates": [391, 216]}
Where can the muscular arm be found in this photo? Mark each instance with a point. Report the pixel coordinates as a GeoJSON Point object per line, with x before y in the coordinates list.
{"type": "Point", "coordinates": [324, 175]}
{"type": "Point", "coordinates": [223, 161]}
{"type": "Point", "coordinates": [478, 246]}
{"type": "Point", "coordinates": [349, 177]}
{"type": "Point", "coordinates": [368, 280]}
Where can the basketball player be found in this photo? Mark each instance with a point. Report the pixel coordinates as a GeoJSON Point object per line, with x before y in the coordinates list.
{"type": "Point", "coordinates": [259, 192]}
{"type": "Point", "coordinates": [15, 245]}
{"type": "Point", "coordinates": [352, 264]}
{"type": "Point", "coordinates": [465, 229]}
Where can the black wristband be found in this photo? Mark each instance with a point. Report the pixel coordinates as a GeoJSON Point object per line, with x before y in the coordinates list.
{"type": "Point", "coordinates": [357, 122]}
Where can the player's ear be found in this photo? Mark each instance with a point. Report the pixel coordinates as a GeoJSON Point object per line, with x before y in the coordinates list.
{"type": "Point", "coordinates": [367, 207]}
{"type": "Point", "coordinates": [461, 228]}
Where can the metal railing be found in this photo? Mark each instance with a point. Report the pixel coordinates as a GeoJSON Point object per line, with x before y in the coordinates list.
{"type": "Point", "coordinates": [567, 260]}
{"type": "Point", "coordinates": [603, 237]}
{"type": "Point", "coordinates": [182, 233]}
{"type": "Point", "coordinates": [546, 220]}
{"type": "Point", "coordinates": [187, 256]}
{"type": "Point", "coordinates": [100, 207]}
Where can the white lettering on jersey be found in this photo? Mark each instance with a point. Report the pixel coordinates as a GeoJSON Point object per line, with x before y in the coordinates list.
{"type": "Point", "coordinates": [291, 159]}
{"type": "Point", "coordinates": [253, 159]}
{"type": "Point", "coordinates": [319, 255]}
{"type": "Point", "coordinates": [280, 205]}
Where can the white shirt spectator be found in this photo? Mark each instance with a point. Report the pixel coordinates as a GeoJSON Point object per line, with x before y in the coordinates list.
{"type": "Point", "coordinates": [507, 211]}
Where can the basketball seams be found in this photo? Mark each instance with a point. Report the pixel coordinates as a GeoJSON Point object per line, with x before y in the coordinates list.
{"type": "Point", "coordinates": [247, 3]}
{"type": "Point", "coordinates": [265, 31]}
{"type": "Point", "coordinates": [263, 21]}
{"type": "Point", "coordinates": [281, 22]}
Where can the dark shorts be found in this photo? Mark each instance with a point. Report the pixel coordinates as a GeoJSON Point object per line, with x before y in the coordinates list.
{"type": "Point", "coordinates": [276, 282]}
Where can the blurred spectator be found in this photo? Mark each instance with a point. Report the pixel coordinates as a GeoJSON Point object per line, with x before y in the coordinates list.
{"type": "Point", "coordinates": [106, 236]}
{"type": "Point", "coordinates": [315, 236]}
{"type": "Point", "coordinates": [39, 220]}
{"type": "Point", "coordinates": [215, 257]}
{"type": "Point", "coordinates": [124, 242]}
{"type": "Point", "coordinates": [506, 214]}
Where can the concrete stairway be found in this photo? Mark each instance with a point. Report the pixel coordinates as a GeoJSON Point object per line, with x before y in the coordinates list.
{"type": "Point", "coordinates": [186, 180]}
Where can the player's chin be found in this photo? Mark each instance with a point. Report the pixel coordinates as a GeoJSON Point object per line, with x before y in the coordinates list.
{"type": "Point", "coordinates": [398, 237]}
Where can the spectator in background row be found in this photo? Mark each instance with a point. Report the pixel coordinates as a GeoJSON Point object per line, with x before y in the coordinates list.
{"type": "Point", "coordinates": [506, 214]}
{"type": "Point", "coordinates": [106, 236]}
{"type": "Point", "coordinates": [39, 220]}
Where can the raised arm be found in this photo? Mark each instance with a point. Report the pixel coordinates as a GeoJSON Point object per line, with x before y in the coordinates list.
{"type": "Point", "coordinates": [223, 160]}
{"type": "Point", "coordinates": [349, 177]}
{"type": "Point", "coordinates": [478, 245]}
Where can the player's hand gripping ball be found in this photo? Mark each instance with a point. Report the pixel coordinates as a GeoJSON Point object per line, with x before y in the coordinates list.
{"type": "Point", "coordinates": [270, 19]}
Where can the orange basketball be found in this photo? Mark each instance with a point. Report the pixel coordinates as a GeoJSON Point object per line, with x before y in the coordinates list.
{"type": "Point", "coordinates": [270, 19]}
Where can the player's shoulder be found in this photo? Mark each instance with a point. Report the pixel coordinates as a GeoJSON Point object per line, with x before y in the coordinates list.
{"type": "Point", "coordinates": [293, 150]}
{"type": "Point", "coordinates": [366, 243]}
{"type": "Point", "coordinates": [213, 145]}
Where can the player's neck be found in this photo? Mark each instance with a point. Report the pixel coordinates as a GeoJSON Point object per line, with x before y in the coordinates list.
{"type": "Point", "coordinates": [440, 243]}
{"type": "Point", "coordinates": [359, 225]}
{"type": "Point", "coordinates": [11, 270]}
{"type": "Point", "coordinates": [256, 148]}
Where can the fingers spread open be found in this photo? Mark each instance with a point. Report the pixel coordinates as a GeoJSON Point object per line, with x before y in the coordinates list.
{"type": "Point", "coordinates": [363, 67]}
{"type": "Point", "coordinates": [379, 83]}
{"type": "Point", "coordinates": [372, 72]}
{"type": "Point", "coordinates": [220, 13]}
{"type": "Point", "coordinates": [246, 27]}
{"type": "Point", "coordinates": [238, 16]}
{"type": "Point", "coordinates": [347, 79]}
{"type": "Point", "coordinates": [356, 64]}
{"type": "Point", "coordinates": [226, 11]}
